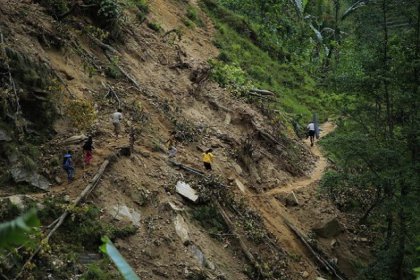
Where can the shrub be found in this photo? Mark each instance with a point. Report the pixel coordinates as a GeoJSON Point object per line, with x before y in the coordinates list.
{"type": "Point", "coordinates": [154, 26]}
{"type": "Point", "coordinates": [81, 114]}
{"type": "Point", "coordinates": [56, 7]}
{"type": "Point", "coordinates": [210, 219]}
{"type": "Point", "coordinates": [109, 11]}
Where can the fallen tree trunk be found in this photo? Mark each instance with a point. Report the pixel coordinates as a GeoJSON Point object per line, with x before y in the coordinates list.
{"type": "Point", "coordinates": [187, 168]}
{"type": "Point", "coordinates": [232, 229]}
{"type": "Point", "coordinates": [227, 220]}
{"type": "Point", "coordinates": [102, 45]}
{"type": "Point", "coordinates": [323, 262]}
{"type": "Point", "coordinates": [88, 189]}
{"type": "Point", "coordinates": [263, 92]}
{"type": "Point", "coordinates": [266, 97]}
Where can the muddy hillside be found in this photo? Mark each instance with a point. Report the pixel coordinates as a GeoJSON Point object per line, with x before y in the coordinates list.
{"type": "Point", "coordinates": [63, 75]}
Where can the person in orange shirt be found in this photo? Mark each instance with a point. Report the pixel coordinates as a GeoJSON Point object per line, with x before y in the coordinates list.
{"type": "Point", "coordinates": [208, 159]}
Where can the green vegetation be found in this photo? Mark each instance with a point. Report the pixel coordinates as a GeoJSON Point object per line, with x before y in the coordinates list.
{"type": "Point", "coordinates": [154, 26]}
{"type": "Point", "coordinates": [17, 231]}
{"type": "Point", "coordinates": [246, 62]}
{"type": "Point", "coordinates": [375, 73]}
{"type": "Point", "coordinates": [210, 219]}
{"type": "Point", "coordinates": [193, 16]}
{"type": "Point", "coordinates": [99, 271]}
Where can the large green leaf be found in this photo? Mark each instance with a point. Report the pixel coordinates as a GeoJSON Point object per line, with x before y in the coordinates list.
{"type": "Point", "coordinates": [16, 232]}
{"type": "Point", "coordinates": [126, 270]}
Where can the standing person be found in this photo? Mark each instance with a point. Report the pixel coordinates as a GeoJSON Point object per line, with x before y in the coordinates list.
{"type": "Point", "coordinates": [87, 150]}
{"type": "Point", "coordinates": [208, 159]}
{"type": "Point", "coordinates": [311, 132]}
{"type": "Point", "coordinates": [68, 166]}
{"type": "Point", "coordinates": [116, 121]}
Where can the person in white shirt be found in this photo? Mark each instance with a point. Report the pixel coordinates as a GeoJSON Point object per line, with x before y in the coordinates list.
{"type": "Point", "coordinates": [311, 132]}
{"type": "Point", "coordinates": [116, 121]}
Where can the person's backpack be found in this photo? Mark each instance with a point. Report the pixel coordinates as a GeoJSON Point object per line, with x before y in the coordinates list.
{"type": "Point", "coordinates": [67, 162]}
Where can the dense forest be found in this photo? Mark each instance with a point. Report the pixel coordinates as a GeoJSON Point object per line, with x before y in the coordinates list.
{"type": "Point", "coordinates": [364, 56]}
{"type": "Point", "coordinates": [353, 62]}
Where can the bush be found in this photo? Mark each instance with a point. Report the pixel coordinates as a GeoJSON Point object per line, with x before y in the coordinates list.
{"type": "Point", "coordinates": [81, 114]}
{"type": "Point", "coordinates": [154, 26]}
{"type": "Point", "coordinates": [56, 7]}
{"type": "Point", "coordinates": [109, 11]}
{"type": "Point", "coordinates": [210, 219]}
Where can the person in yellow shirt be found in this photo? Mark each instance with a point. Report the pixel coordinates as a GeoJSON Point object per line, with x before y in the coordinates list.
{"type": "Point", "coordinates": [208, 159]}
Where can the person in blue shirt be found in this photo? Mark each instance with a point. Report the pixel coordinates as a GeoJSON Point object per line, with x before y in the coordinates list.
{"type": "Point", "coordinates": [68, 166]}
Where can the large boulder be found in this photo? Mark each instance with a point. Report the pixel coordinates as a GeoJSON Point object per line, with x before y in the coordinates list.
{"type": "Point", "coordinates": [23, 175]}
{"type": "Point", "coordinates": [328, 229]}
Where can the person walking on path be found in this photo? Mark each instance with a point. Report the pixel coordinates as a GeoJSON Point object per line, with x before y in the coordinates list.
{"type": "Point", "coordinates": [68, 166]}
{"type": "Point", "coordinates": [116, 121]}
{"type": "Point", "coordinates": [208, 159]}
{"type": "Point", "coordinates": [88, 151]}
{"type": "Point", "coordinates": [311, 132]}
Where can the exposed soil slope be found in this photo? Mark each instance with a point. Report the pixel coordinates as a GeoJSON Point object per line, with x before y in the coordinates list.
{"type": "Point", "coordinates": [174, 94]}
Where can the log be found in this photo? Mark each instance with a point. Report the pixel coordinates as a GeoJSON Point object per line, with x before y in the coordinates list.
{"type": "Point", "coordinates": [263, 92]}
{"type": "Point", "coordinates": [110, 90]}
{"type": "Point", "coordinates": [261, 96]}
{"type": "Point", "coordinates": [187, 168]}
{"type": "Point", "coordinates": [232, 229]}
{"type": "Point", "coordinates": [324, 263]}
{"type": "Point", "coordinates": [129, 77]}
{"type": "Point", "coordinates": [102, 45]}
{"type": "Point", "coordinates": [88, 189]}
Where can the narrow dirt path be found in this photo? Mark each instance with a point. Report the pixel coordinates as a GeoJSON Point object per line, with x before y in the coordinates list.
{"type": "Point", "coordinates": [318, 171]}
{"type": "Point", "coordinates": [274, 212]}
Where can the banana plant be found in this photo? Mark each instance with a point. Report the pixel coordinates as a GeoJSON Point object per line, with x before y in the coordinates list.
{"type": "Point", "coordinates": [301, 7]}
{"type": "Point", "coordinates": [125, 269]}
{"type": "Point", "coordinates": [16, 232]}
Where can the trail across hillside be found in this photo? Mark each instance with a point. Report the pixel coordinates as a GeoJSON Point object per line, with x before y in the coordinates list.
{"type": "Point", "coordinates": [274, 212]}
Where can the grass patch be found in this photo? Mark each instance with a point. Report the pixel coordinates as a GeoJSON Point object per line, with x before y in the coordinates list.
{"type": "Point", "coordinates": [193, 16]}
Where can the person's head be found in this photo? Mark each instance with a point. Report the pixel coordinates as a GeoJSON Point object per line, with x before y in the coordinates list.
{"type": "Point", "coordinates": [119, 110]}
{"type": "Point", "coordinates": [209, 151]}
{"type": "Point", "coordinates": [69, 152]}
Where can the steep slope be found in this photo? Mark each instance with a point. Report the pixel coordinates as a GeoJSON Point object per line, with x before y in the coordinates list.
{"type": "Point", "coordinates": [164, 87]}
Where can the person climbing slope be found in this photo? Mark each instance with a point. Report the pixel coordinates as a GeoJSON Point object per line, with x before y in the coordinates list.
{"type": "Point", "coordinates": [208, 159]}
{"type": "Point", "coordinates": [116, 121]}
{"type": "Point", "coordinates": [88, 150]}
{"type": "Point", "coordinates": [68, 166]}
{"type": "Point", "coordinates": [311, 132]}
